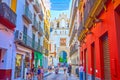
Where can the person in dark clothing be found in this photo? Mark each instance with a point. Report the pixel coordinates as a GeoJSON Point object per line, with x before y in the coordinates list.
{"type": "Point", "coordinates": [39, 73]}
{"type": "Point", "coordinates": [32, 71]}
{"type": "Point", "coordinates": [69, 69]}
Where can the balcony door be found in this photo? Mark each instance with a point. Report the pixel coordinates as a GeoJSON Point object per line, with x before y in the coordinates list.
{"type": "Point", "coordinates": [25, 34]}
{"type": "Point", "coordinates": [33, 40]}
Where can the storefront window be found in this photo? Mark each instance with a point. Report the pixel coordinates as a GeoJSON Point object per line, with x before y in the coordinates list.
{"type": "Point", "coordinates": [18, 66]}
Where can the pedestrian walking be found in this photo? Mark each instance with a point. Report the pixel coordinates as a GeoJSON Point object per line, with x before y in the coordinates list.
{"type": "Point", "coordinates": [32, 72]}
{"type": "Point", "coordinates": [39, 73]}
{"type": "Point", "coordinates": [81, 68]}
{"type": "Point", "coordinates": [42, 72]}
{"type": "Point", "coordinates": [28, 75]}
{"type": "Point", "coordinates": [64, 70]}
{"type": "Point", "coordinates": [69, 69]}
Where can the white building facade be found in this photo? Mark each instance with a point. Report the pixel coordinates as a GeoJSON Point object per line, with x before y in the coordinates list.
{"type": "Point", "coordinates": [59, 36]}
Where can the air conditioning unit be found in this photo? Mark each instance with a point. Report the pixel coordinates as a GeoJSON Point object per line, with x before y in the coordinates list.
{"type": "Point", "coordinates": [18, 35]}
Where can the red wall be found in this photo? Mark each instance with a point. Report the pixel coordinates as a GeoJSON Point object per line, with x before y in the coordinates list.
{"type": "Point", "coordinates": [5, 74]}
{"type": "Point", "coordinates": [108, 25]}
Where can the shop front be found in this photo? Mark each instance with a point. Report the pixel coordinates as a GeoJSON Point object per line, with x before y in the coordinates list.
{"type": "Point", "coordinates": [22, 60]}
{"type": "Point", "coordinates": [38, 59]}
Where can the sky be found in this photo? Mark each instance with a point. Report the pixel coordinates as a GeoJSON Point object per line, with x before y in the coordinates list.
{"type": "Point", "coordinates": [60, 6]}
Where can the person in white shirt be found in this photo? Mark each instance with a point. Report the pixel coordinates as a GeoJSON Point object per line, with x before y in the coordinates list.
{"type": "Point", "coordinates": [81, 69]}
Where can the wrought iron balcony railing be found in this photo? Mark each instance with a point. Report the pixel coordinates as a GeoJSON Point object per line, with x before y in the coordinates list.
{"type": "Point", "coordinates": [80, 29]}
{"type": "Point", "coordinates": [36, 6]}
{"type": "Point", "coordinates": [40, 31]}
{"type": "Point", "coordinates": [7, 16]}
{"type": "Point", "coordinates": [73, 34]}
{"type": "Point", "coordinates": [41, 15]}
{"type": "Point", "coordinates": [35, 24]}
{"type": "Point", "coordinates": [27, 14]}
{"type": "Point", "coordinates": [26, 40]}
{"type": "Point", "coordinates": [89, 4]}
{"type": "Point", "coordinates": [73, 49]}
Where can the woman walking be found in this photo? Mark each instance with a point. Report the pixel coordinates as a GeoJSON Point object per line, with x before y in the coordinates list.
{"type": "Point", "coordinates": [42, 72]}
{"type": "Point", "coordinates": [28, 75]}
{"type": "Point", "coordinates": [39, 73]}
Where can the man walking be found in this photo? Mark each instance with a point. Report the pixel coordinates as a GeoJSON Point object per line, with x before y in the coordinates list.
{"type": "Point", "coordinates": [81, 71]}
{"type": "Point", "coordinates": [69, 69]}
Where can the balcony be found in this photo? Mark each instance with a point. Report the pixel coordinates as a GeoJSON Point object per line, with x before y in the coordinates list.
{"type": "Point", "coordinates": [31, 0]}
{"type": "Point", "coordinates": [7, 16]}
{"type": "Point", "coordinates": [26, 41]}
{"type": "Point", "coordinates": [46, 52]}
{"type": "Point", "coordinates": [36, 6]}
{"type": "Point", "coordinates": [35, 25]}
{"type": "Point", "coordinates": [40, 48]}
{"type": "Point", "coordinates": [40, 31]}
{"type": "Point", "coordinates": [80, 29]}
{"type": "Point", "coordinates": [47, 35]}
{"type": "Point", "coordinates": [27, 14]}
{"type": "Point", "coordinates": [73, 34]}
{"type": "Point", "coordinates": [23, 39]}
{"type": "Point", "coordinates": [41, 15]}
{"type": "Point", "coordinates": [73, 49]}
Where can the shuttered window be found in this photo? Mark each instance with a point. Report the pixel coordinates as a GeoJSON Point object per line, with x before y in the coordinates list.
{"type": "Point", "coordinates": [86, 63]}
{"type": "Point", "coordinates": [106, 58]}
{"type": "Point", "coordinates": [93, 60]}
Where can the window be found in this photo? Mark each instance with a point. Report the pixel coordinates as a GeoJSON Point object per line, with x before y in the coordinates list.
{"type": "Point", "coordinates": [39, 25]}
{"type": "Point", "coordinates": [38, 42]}
{"type": "Point", "coordinates": [57, 24]}
{"type": "Point", "coordinates": [33, 40]}
{"type": "Point", "coordinates": [25, 34]}
{"type": "Point", "coordinates": [93, 59]}
{"type": "Point", "coordinates": [25, 30]}
{"type": "Point", "coordinates": [55, 32]}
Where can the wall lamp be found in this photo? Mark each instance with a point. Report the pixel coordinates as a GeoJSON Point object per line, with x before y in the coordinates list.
{"type": "Point", "coordinates": [97, 20]}
{"type": "Point", "coordinates": [89, 32]}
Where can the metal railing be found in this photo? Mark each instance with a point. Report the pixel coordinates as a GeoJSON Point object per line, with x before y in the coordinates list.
{"type": "Point", "coordinates": [40, 30]}
{"type": "Point", "coordinates": [88, 6]}
{"type": "Point", "coordinates": [7, 13]}
{"type": "Point", "coordinates": [80, 28]}
{"type": "Point", "coordinates": [27, 12]}
{"type": "Point", "coordinates": [73, 33]}
{"type": "Point", "coordinates": [73, 49]}
{"type": "Point", "coordinates": [27, 41]}
{"type": "Point", "coordinates": [37, 3]}
{"type": "Point", "coordinates": [35, 23]}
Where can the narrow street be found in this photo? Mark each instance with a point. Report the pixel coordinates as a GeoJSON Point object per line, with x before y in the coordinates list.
{"type": "Point", "coordinates": [39, 38]}
{"type": "Point", "coordinates": [60, 76]}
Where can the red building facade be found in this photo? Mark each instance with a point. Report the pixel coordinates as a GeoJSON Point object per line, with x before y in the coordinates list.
{"type": "Point", "coordinates": [100, 53]}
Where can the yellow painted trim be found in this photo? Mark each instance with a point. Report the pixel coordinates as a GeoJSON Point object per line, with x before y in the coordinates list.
{"type": "Point", "coordinates": [13, 5]}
